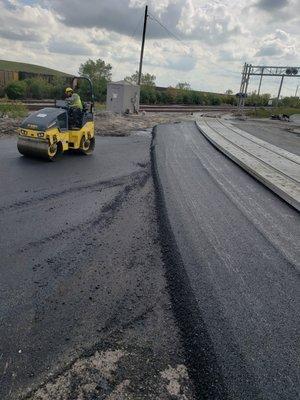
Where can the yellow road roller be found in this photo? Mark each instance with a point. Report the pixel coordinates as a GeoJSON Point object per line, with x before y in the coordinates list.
{"type": "Point", "coordinates": [51, 131]}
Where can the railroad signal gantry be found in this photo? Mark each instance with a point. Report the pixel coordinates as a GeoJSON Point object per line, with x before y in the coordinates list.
{"type": "Point", "coordinates": [263, 70]}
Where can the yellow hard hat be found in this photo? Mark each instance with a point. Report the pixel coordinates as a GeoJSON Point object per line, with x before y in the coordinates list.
{"type": "Point", "coordinates": [68, 89]}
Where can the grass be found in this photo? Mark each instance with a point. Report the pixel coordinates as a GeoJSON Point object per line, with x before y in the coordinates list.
{"type": "Point", "coordinates": [13, 110]}
{"type": "Point", "coordinates": [38, 69]}
{"type": "Point", "coordinates": [267, 112]}
{"type": "Point", "coordinates": [100, 106]}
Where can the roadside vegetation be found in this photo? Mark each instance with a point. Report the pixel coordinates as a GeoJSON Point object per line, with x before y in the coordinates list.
{"type": "Point", "coordinates": [268, 112]}
{"type": "Point", "coordinates": [287, 106]}
{"type": "Point", "coordinates": [36, 88]}
{"type": "Point", "coordinates": [101, 73]}
{"type": "Point", "coordinates": [13, 110]}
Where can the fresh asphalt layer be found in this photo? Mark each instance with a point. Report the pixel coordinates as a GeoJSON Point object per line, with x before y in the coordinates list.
{"type": "Point", "coordinates": [233, 265]}
{"type": "Point", "coordinates": [110, 285]}
{"type": "Point", "coordinates": [84, 307]}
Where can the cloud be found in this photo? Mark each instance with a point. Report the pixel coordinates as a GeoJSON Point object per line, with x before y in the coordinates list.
{"type": "Point", "coordinates": [279, 11]}
{"type": "Point", "coordinates": [25, 22]}
{"type": "Point", "coordinates": [23, 35]}
{"type": "Point", "coordinates": [217, 36]}
{"type": "Point", "coordinates": [69, 47]}
{"type": "Point", "coordinates": [209, 22]}
{"type": "Point", "coordinates": [278, 44]}
{"type": "Point", "coordinates": [271, 5]}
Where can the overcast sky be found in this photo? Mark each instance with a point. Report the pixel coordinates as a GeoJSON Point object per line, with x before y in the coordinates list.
{"type": "Point", "coordinates": [217, 37]}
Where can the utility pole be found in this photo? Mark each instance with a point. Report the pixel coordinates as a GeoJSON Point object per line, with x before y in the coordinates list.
{"type": "Point", "coordinates": [279, 91]}
{"type": "Point", "coordinates": [143, 45]}
{"type": "Point", "coordinates": [296, 90]}
{"type": "Point", "coordinates": [259, 87]}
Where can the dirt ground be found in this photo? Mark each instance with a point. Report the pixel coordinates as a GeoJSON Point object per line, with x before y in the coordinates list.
{"type": "Point", "coordinates": [108, 124]}
{"type": "Point", "coordinates": [120, 125]}
{"type": "Point", "coordinates": [8, 126]}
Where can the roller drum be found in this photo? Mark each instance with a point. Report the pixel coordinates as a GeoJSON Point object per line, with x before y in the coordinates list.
{"type": "Point", "coordinates": [35, 148]}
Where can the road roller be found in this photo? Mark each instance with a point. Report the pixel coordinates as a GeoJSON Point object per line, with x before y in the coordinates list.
{"type": "Point", "coordinates": [49, 132]}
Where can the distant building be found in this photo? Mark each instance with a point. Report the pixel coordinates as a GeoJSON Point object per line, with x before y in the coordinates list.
{"type": "Point", "coordinates": [9, 76]}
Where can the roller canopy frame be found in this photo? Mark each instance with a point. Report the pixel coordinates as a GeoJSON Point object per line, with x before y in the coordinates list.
{"type": "Point", "coordinates": [91, 91]}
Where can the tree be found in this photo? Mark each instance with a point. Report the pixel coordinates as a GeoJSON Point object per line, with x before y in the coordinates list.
{"type": "Point", "coordinates": [100, 74]}
{"type": "Point", "coordinates": [146, 79]}
{"type": "Point", "coordinates": [229, 92]}
{"type": "Point", "coordinates": [96, 70]}
{"type": "Point", "coordinates": [183, 86]}
{"type": "Point", "coordinates": [16, 90]}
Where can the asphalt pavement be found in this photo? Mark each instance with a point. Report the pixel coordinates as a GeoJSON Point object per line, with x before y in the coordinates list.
{"type": "Point", "coordinates": [113, 284]}
{"type": "Point", "coordinates": [233, 265]}
{"type": "Point", "coordinates": [84, 307]}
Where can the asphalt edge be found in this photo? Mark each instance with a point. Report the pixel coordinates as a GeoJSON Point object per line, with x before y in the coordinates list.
{"type": "Point", "coordinates": [201, 363]}
{"type": "Point", "coordinates": [283, 195]}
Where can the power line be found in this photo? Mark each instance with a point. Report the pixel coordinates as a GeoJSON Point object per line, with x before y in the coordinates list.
{"type": "Point", "coordinates": [131, 37]}
{"type": "Point", "coordinates": [168, 31]}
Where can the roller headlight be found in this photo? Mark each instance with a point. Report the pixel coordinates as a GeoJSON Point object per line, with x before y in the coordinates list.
{"type": "Point", "coordinates": [40, 134]}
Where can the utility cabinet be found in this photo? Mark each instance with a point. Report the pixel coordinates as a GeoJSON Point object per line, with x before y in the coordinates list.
{"type": "Point", "coordinates": [123, 97]}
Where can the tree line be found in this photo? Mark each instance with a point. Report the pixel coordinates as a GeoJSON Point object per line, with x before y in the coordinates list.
{"type": "Point", "coordinates": [101, 74]}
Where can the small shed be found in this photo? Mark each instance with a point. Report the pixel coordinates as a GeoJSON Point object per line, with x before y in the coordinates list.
{"type": "Point", "coordinates": [123, 97]}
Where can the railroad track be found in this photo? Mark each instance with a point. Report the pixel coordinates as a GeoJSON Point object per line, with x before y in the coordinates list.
{"type": "Point", "coordinates": [34, 105]}
{"type": "Point", "coordinates": [185, 109]}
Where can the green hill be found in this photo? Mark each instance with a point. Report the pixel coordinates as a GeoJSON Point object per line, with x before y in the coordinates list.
{"type": "Point", "coordinates": [37, 69]}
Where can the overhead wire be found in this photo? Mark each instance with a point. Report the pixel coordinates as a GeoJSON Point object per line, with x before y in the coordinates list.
{"type": "Point", "coordinates": [131, 37]}
{"type": "Point", "coordinates": [170, 33]}
{"type": "Point", "coordinates": [187, 49]}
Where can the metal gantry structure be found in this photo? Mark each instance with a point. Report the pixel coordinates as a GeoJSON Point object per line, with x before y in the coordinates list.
{"type": "Point", "coordinates": [264, 70]}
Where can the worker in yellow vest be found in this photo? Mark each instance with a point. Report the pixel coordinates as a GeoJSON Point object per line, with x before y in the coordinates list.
{"type": "Point", "coordinates": [75, 108]}
{"type": "Point", "coordinates": [73, 99]}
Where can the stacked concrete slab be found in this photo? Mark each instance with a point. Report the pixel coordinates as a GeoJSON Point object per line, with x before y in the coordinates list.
{"type": "Point", "coordinates": [278, 169]}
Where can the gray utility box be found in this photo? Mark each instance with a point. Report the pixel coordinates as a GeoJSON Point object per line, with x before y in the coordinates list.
{"type": "Point", "coordinates": [122, 97]}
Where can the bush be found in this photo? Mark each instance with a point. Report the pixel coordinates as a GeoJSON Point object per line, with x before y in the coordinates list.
{"type": "Point", "coordinates": [38, 88]}
{"type": "Point", "coordinates": [16, 90]}
{"type": "Point", "coordinates": [292, 101]}
{"type": "Point", "coordinates": [254, 99]}
{"type": "Point", "coordinates": [148, 95]}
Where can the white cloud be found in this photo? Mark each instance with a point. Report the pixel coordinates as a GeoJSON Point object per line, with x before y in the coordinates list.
{"type": "Point", "coordinates": [278, 44]}
{"type": "Point", "coordinates": [218, 36]}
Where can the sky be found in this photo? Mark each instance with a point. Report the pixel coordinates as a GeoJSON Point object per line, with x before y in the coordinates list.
{"type": "Point", "coordinates": [207, 47]}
